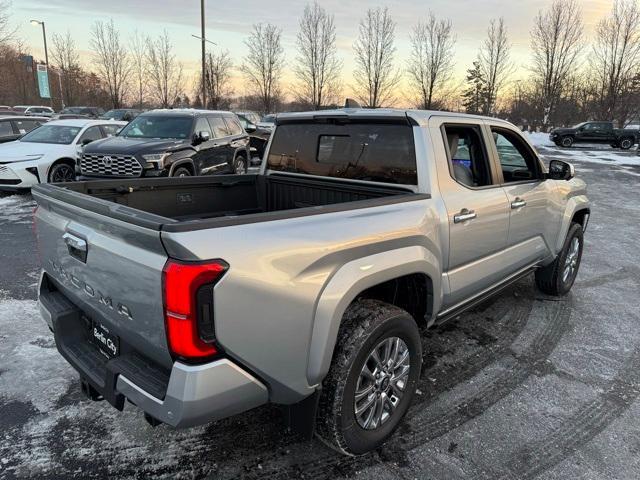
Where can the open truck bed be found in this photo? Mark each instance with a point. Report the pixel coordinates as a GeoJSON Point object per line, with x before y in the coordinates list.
{"type": "Point", "coordinates": [193, 203]}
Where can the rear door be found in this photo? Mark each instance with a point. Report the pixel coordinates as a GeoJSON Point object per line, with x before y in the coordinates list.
{"type": "Point", "coordinates": [477, 208]}
{"type": "Point", "coordinates": [222, 152]}
{"type": "Point", "coordinates": [532, 221]}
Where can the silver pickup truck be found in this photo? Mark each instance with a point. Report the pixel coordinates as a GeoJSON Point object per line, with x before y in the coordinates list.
{"type": "Point", "coordinates": [306, 285]}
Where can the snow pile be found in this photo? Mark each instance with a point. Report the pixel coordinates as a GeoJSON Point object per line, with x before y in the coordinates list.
{"type": "Point", "coordinates": [539, 139]}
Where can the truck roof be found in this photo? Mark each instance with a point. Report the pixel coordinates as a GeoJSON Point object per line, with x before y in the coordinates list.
{"type": "Point", "coordinates": [421, 117]}
{"type": "Point", "coordinates": [191, 112]}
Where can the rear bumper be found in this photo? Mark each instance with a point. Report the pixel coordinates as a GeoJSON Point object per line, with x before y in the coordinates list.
{"type": "Point", "coordinates": [185, 396]}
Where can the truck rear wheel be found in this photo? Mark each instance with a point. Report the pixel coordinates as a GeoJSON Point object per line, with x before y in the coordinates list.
{"type": "Point", "coordinates": [566, 141]}
{"type": "Point", "coordinates": [557, 278]}
{"type": "Point", "coordinates": [626, 143]}
{"type": "Point", "coordinates": [372, 378]}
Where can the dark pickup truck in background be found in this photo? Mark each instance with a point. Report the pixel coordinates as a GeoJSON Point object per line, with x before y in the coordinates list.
{"type": "Point", "coordinates": [595, 132]}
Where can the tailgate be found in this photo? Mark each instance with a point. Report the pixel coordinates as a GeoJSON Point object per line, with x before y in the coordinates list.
{"type": "Point", "coordinates": [110, 268]}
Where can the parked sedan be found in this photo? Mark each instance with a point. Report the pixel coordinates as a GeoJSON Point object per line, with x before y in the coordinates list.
{"type": "Point", "coordinates": [267, 122]}
{"type": "Point", "coordinates": [48, 153]}
{"type": "Point", "coordinates": [125, 114]}
{"type": "Point", "coordinates": [13, 127]}
{"type": "Point", "coordinates": [34, 110]}
{"type": "Point", "coordinates": [93, 112]}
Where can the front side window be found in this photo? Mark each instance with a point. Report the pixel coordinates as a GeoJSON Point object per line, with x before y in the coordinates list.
{"type": "Point", "coordinates": [91, 134]}
{"type": "Point", "coordinates": [203, 126]}
{"type": "Point", "coordinates": [111, 130]}
{"type": "Point", "coordinates": [367, 151]}
{"type": "Point", "coordinates": [152, 126]}
{"type": "Point", "coordinates": [517, 161]}
{"type": "Point", "coordinates": [58, 134]}
{"type": "Point", "coordinates": [468, 161]}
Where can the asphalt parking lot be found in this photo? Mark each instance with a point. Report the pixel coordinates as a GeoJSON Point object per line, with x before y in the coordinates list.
{"type": "Point", "coordinates": [524, 386]}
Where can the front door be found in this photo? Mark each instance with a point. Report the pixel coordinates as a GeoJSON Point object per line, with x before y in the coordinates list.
{"type": "Point", "coordinates": [203, 158]}
{"type": "Point", "coordinates": [477, 211]}
{"type": "Point", "coordinates": [222, 161]}
{"type": "Point", "coordinates": [532, 219]}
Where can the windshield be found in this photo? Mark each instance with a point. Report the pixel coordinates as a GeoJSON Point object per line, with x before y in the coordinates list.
{"type": "Point", "coordinates": [158, 127]}
{"type": "Point", "coordinates": [115, 114]}
{"type": "Point", "coordinates": [579, 125]}
{"type": "Point", "coordinates": [58, 134]}
{"type": "Point", "coordinates": [19, 109]}
{"type": "Point", "coordinates": [72, 110]}
{"type": "Point", "coordinates": [269, 119]}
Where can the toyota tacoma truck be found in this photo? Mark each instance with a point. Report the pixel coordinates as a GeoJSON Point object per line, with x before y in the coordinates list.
{"type": "Point", "coordinates": [595, 132]}
{"type": "Point", "coordinates": [306, 285]}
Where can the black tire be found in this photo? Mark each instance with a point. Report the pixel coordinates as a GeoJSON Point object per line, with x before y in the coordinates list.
{"type": "Point", "coordinates": [626, 143]}
{"type": "Point", "coordinates": [365, 324]}
{"type": "Point", "coordinates": [62, 172]}
{"type": "Point", "coordinates": [239, 165]}
{"type": "Point", "coordinates": [182, 172]}
{"type": "Point", "coordinates": [567, 141]}
{"type": "Point", "coordinates": [550, 279]}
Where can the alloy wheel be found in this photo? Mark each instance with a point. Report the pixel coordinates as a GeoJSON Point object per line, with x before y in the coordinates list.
{"type": "Point", "coordinates": [571, 261]}
{"type": "Point", "coordinates": [63, 173]}
{"type": "Point", "coordinates": [382, 383]}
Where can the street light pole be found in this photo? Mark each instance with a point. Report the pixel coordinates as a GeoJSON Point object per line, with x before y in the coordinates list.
{"type": "Point", "coordinates": [204, 66]}
{"type": "Point", "coordinates": [46, 55]}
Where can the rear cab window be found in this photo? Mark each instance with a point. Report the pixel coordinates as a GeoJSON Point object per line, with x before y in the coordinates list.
{"type": "Point", "coordinates": [375, 152]}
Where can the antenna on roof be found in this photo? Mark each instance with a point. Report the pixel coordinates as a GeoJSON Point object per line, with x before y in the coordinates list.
{"type": "Point", "coordinates": [351, 103]}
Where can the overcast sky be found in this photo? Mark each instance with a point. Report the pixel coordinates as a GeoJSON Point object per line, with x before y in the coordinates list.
{"type": "Point", "coordinates": [229, 23]}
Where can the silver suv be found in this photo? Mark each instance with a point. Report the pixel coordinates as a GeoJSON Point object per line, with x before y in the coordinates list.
{"type": "Point", "coordinates": [305, 285]}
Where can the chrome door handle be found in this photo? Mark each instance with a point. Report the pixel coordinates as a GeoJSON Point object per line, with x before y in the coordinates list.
{"type": "Point", "coordinates": [518, 203]}
{"type": "Point", "coordinates": [464, 215]}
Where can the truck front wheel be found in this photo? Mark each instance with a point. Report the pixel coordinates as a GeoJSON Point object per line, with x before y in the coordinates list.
{"type": "Point", "coordinates": [557, 278]}
{"type": "Point", "coordinates": [372, 378]}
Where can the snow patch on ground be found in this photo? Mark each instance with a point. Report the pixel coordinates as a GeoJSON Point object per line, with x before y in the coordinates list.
{"type": "Point", "coordinates": [16, 209]}
{"type": "Point", "coordinates": [539, 139]}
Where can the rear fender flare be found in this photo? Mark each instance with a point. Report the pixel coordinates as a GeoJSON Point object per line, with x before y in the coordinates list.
{"type": "Point", "coordinates": [352, 279]}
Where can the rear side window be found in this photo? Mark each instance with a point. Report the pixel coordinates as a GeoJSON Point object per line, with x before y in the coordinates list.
{"type": "Point", "coordinates": [372, 152]}
{"type": "Point", "coordinates": [233, 126]}
{"type": "Point", "coordinates": [467, 156]}
{"type": "Point", "coordinates": [219, 127]}
{"type": "Point", "coordinates": [5, 129]}
{"type": "Point", "coordinates": [25, 126]}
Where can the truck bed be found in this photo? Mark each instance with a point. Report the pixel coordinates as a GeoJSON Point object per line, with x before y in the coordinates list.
{"type": "Point", "coordinates": [178, 204]}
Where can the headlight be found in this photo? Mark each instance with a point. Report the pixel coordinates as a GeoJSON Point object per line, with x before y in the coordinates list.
{"type": "Point", "coordinates": [155, 159]}
{"type": "Point", "coordinates": [28, 159]}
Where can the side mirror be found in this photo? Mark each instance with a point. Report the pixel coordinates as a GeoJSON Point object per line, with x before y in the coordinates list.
{"type": "Point", "coordinates": [250, 128]}
{"type": "Point", "coordinates": [559, 170]}
{"type": "Point", "coordinates": [201, 137]}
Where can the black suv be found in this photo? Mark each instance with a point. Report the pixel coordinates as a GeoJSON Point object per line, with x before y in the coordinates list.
{"type": "Point", "coordinates": [173, 143]}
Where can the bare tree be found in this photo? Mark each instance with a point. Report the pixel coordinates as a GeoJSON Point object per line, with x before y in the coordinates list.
{"type": "Point", "coordinates": [163, 70]}
{"type": "Point", "coordinates": [494, 62]}
{"type": "Point", "coordinates": [376, 76]}
{"type": "Point", "coordinates": [6, 31]}
{"type": "Point", "coordinates": [616, 53]}
{"type": "Point", "coordinates": [138, 45]}
{"type": "Point", "coordinates": [556, 41]}
{"type": "Point", "coordinates": [218, 75]}
{"type": "Point", "coordinates": [65, 57]}
{"type": "Point", "coordinates": [263, 65]}
{"type": "Point", "coordinates": [317, 65]}
{"type": "Point", "coordinates": [111, 60]}
{"type": "Point", "coordinates": [431, 62]}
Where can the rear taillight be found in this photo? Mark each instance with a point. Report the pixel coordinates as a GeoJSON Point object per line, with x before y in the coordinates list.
{"type": "Point", "coordinates": [188, 304]}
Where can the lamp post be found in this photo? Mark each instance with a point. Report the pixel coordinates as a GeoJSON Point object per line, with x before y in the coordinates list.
{"type": "Point", "coordinates": [46, 53]}
{"type": "Point", "coordinates": [203, 39]}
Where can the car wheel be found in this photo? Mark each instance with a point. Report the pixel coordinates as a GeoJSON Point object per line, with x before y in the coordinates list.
{"type": "Point", "coordinates": [240, 165]}
{"type": "Point", "coordinates": [372, 378]}
{"type": "Point", "coordinates": [62, 172]}
{"type": "Point", "coordinates": [181, 172]}
{"type": "Point", "coordinates": [626, 143]}
{"type": "Point", "coordinates": [566, 141]}
{"type": "Point", "coordinates": [557, 278]}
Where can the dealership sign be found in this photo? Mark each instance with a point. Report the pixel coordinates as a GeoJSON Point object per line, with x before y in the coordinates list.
{"type": "Point", "coordinates": [43, 81]}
